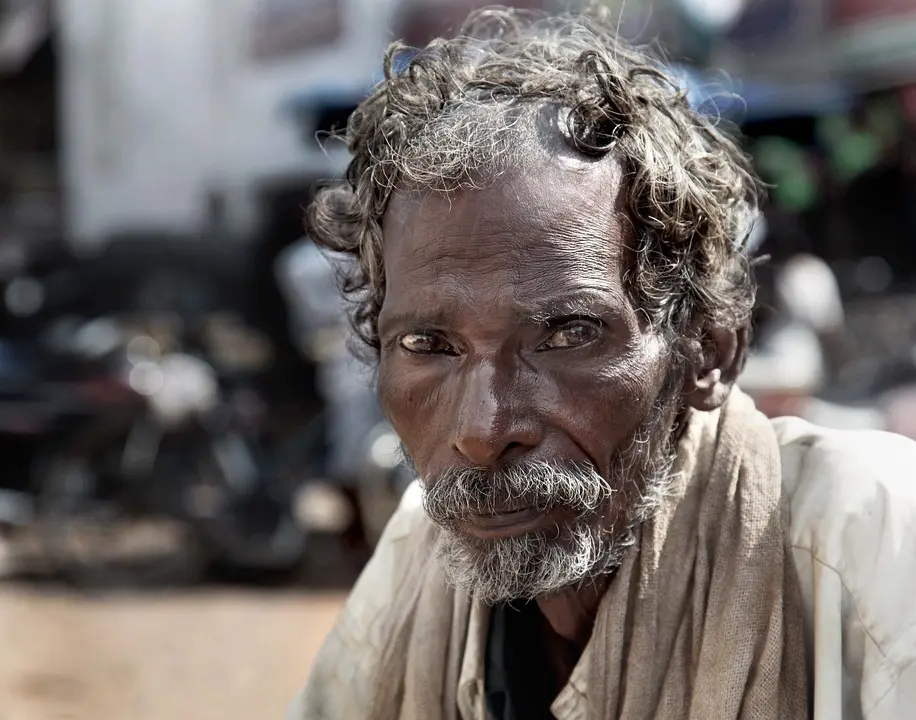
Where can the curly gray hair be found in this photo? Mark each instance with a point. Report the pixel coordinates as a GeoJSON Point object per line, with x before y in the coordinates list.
{"type": "Point", "coordinates": [450, 121]}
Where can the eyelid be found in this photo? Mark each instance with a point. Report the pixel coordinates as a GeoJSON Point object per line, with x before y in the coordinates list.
{"type": "Point", "coordinates": [564, 320]}
{"type": "Point", "coordinates": [595, 323]}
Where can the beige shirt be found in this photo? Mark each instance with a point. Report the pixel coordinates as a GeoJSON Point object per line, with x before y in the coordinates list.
{"type": "Point", "coordinates": [853, 531]}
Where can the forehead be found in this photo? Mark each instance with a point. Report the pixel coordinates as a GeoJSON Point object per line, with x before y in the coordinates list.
{"type": "Point", "coordinates": [550, 231]}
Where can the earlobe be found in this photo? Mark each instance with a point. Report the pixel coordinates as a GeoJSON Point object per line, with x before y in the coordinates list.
{"type": "Point", "coordinates": [710, 379]}
{"type": "Point", "coordinates": [709, 391]}
{"type": "Point", "coordinates": [713, 378]}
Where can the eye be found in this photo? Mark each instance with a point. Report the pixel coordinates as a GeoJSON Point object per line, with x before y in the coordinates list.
{"type": "Point", "coordinates": [425, 344]}
{"type": "Point", "coordinates": [573, 335]}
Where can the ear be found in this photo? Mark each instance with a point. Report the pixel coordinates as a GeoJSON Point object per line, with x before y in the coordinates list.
{"type": "Point", "coordinates": [715, 368]}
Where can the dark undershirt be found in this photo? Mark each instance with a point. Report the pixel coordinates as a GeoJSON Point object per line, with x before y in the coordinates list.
{"type": "Point", "coordinates": [519, 682]}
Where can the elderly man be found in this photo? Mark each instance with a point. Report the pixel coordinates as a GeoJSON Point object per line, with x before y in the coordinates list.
{"type": "Point", "coordinates": [552, 273]}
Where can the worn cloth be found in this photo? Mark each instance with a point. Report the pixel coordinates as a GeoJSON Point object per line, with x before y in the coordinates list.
{"type": "Point", "coordinates": [853, 538]}
{"type": "Point", "coordinates": [703, 619]}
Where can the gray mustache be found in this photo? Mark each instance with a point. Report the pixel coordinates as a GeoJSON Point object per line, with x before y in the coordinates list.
{"type": "Point", "coordinates": [459, 493]}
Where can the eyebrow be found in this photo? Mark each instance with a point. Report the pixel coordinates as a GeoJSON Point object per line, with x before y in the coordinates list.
{"type": "Point", "coordinates": [585, 303]}
{"type": "Point", "coordinates": [415, 318]}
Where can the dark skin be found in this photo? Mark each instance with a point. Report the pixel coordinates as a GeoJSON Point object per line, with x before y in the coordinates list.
{"type": "Point", "coordinates": [507, 333]}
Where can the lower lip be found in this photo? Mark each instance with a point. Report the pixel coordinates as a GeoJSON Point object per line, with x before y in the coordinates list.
{"type": "Point", "coordinates": [505, 524]}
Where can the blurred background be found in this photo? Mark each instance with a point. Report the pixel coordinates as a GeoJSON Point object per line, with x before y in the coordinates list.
{"type": "Point", "coordinates": [194, 471]}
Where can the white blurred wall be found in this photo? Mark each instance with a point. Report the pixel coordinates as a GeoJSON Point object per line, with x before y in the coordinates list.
{"type": "Point", "coordinates": [162, 104]}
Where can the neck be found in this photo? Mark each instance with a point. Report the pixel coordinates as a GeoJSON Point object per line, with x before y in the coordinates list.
{"type": "Point", "coordinates": [571, 612]}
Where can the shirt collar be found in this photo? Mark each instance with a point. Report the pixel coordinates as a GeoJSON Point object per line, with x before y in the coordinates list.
{"type": "Point", "coordinates": [570, 704]}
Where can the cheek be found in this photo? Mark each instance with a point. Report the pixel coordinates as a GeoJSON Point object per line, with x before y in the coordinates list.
{"type": "Point", "coordinates": [601, 403]}
{"type": "Point", "coordinates": [413, 401]}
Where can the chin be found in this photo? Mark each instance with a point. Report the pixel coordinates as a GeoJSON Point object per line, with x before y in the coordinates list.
{"type": "Point", "coordinates": [531, 564]}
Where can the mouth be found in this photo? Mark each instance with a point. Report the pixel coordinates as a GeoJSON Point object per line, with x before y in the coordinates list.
{"type": "Point", "coordinates": [506, 524]}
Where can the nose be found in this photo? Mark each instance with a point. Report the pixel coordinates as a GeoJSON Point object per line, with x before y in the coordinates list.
{"type": "Point", "coordinates": [494, 424]}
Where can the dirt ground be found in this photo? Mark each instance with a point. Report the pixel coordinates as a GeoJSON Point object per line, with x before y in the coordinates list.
{"type": "Point", "coordinates": [220, 654]}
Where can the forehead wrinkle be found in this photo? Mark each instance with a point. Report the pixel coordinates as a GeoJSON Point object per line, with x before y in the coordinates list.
{"type": "Point", "coordinates": [572, 262]}
{"type": "Point", "coordinates": [450, 296]}
{"type": "Point", "coordinates": [594, 185]}
{"type": "Point", "coordinates": [444, 250]}
{"type": "Point", "coordinates": [432, 241]}
{"type": "Point", "coordinates": [463, 274]}
{"type": "Point", "coordinates": [589, 243]}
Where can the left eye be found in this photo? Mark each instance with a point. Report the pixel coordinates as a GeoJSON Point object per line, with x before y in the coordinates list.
{"type": "Point", "coordinates": [424, 344]}
{"type": "Point", "coordinates": [570, 336]}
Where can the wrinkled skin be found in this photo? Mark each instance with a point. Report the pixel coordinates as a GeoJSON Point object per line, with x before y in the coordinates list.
{"type": "Point", "coordinates": [474, 280]}
{"type": "Point", "coordinates": [507, 333]}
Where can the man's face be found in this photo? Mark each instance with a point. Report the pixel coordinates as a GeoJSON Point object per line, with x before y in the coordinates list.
{"type": "Point", "coordinates": [533, 402]}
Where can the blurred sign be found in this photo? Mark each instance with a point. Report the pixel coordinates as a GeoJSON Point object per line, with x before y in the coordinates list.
{"type": "Point", "coordinates": [713, 15]}
{"type": "Point", "coordinates": [848, 12]}
{"type": "Point", "coordinates": [875, 38]}
{"type": "Point", "coordinates": [282, 28]}
{"type": "Point", "coordinates": [23, 26]}
{"type": "Point", "coordinates": [908, 102]}
{"type": "Point", "coordinates": [420, 21]}
{"type": "Point", "coordinates": [766, 20]}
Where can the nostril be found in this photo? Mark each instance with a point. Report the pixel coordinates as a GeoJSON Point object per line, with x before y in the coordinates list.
{"type": "Point", "coordinates": [513, 450]}
{"type": "Point", "coordinates": [487, 454]}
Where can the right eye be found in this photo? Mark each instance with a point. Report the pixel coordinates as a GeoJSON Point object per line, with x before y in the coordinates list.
{"type": "Point", "coordinates": [425, 344]}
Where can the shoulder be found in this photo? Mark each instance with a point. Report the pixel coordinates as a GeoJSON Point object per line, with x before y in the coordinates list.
{"type": "Point", "coordinates": [339, 684]}
{"type": "Point", "coordinates": [386, 569]}
{"type": "Point", "coordinates": [853, 519]}
{"type": "Point", "coordinates": [847, 481]}
{"type": "Point", "coordinates": [400, 547]}
{"type": "Point", "coordinates": [409, 519]}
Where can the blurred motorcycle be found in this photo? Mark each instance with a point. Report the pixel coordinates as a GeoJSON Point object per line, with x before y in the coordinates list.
{"type": "Point", "coordinates": [186, 472]}
{"type": "Point", "coordinates": [127, 452]}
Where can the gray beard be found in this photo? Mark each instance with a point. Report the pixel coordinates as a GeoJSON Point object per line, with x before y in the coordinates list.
{"type": "Point", "coordinates": [608, 512]}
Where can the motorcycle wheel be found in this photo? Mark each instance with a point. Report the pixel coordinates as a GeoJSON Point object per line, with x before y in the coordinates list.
{"type": "Point", "coordinates": [94, 543]}
{"type": "Point", "coordinates": [255, 530]}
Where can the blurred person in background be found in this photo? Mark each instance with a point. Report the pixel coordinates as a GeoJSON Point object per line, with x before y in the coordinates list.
{"type": "Point", "coordinates": [799, 341]}
{"type": "Point", "coordinates": [880, 205]}
{"type": "Point", "coordinates": [309, 279]}
{"type": "Point", "coordinates": [552, 271]}
{"type": "Point", "coordinates": [289, 386]}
